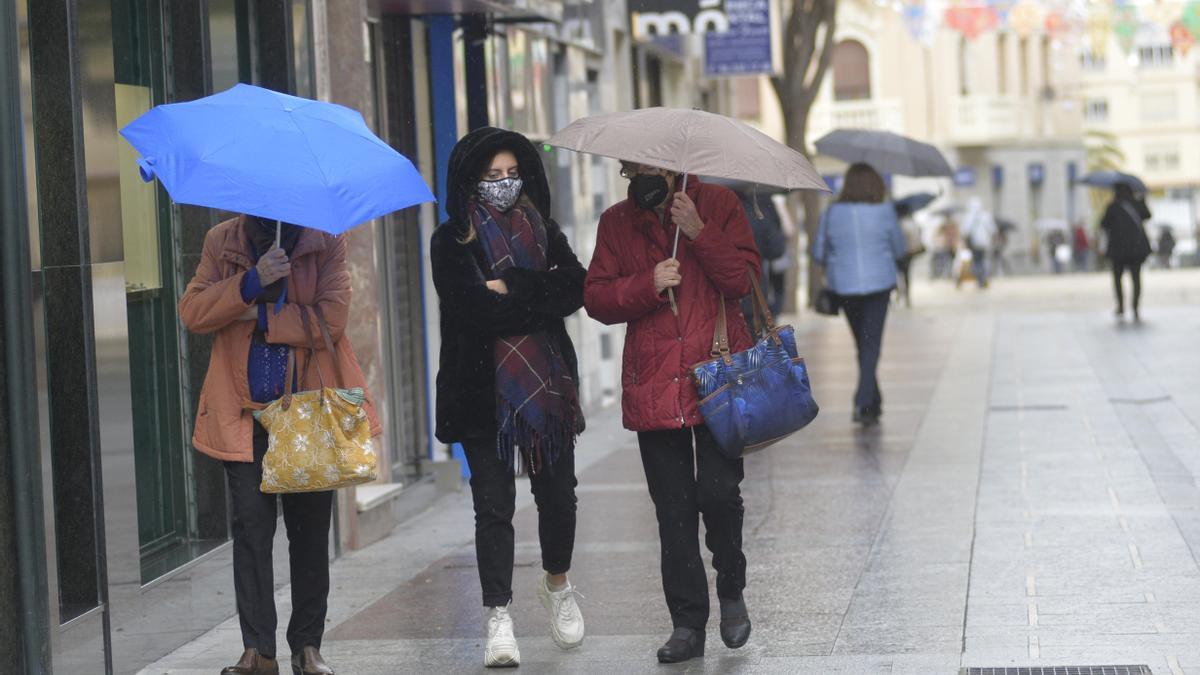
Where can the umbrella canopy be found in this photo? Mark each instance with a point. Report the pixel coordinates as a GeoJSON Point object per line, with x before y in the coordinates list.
{"type": "Point", "coordinates": [914, 202]}
{"type": "Point", "coordinates": [691, 142]}
{"type": "Point", "coordinates": [885, 151]}
{"type": "Point", "coordinates": [279, 157]}
{"type": "Point", "coordinates": [1110, 179]}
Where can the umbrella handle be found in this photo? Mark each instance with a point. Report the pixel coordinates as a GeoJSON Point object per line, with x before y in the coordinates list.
{"type": "Point", "coordinates": [675, 246]}
{"type": "Point", "coordinates": [278, 228]}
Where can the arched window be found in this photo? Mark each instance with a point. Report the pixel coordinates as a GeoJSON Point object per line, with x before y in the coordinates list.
{"type": "Point", "coordinates": [851, 71]}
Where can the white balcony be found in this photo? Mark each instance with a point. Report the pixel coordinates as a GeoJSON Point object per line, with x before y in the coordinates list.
{"type": "Point", "coordinates": [983, 120]}
{"type": "Point", "coordinates": [875, 114]}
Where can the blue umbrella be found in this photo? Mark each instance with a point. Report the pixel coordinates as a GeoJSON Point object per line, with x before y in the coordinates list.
{"type": "Point", "coordinates": [1110, 179]}
{"type": "Point", "coordinates": [279, 157]}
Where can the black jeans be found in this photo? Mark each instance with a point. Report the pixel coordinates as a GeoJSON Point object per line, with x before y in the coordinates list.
{"type": "Point", "coordinates": [686, 482]}
{"type": "Point", "coordinates": [866, 315]}
{"type": "Point", "coordinates": [1134, 267]}
{"type": "Point", "coordinates": [307, 518]}
{"type": "Point", "coordinates": [494, 490]}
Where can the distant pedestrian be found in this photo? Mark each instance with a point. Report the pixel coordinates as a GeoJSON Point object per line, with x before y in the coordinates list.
{"type": "Point", "coordinates": [248, 292]}
{"type": "Point", "coordinates": [771, 244]}
{"type": "Point", "coordinates": [1081, 248]}
{"type": "Point", "coordinates": [1128, 246]}
{"type": "Point", "coordinates": [948, 237]}
{"type": "Point", "coordinates": [507, 383]}
{"type": "Point", "coordinates": [858, 243]}
{"type": "Point", "coordinates": [1000, 262]}
{"type": "Point", "coordinates": [1056, 241]}
{"type": "Point", "coordinates": [627, 282]}
{"type": "Point", "coordinates": [1166, 247]}
{"type": "Point", "coordinates": [979, 229]}
{"type": "Point", "coordinates": [913, 247]}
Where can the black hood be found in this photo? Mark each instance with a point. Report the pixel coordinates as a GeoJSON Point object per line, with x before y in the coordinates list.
{"type": "Point", "coordinates": [473, 154]}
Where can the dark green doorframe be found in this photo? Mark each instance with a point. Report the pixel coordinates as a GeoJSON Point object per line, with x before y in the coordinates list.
{"type": "Point", "coordinates": [24, 606]}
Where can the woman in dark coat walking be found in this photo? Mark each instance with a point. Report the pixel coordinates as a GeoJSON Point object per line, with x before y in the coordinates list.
{"type": "Point", "coordinates": [1128, 246]}
{"type": "Point", "coordinates": [688, 477]}
{"type": "Point", "coordinates": [506, 278]}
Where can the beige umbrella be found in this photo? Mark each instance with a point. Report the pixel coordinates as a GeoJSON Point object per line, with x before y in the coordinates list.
{"type": "Point", "coordinates": [691, 142]}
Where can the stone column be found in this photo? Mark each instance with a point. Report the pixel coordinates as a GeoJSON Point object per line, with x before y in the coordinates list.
{"type": "Point", "coordinates": [344, 76]}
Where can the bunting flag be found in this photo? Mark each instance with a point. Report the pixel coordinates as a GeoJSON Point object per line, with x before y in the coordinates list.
{"type": "Point", "coordinates": [1097, 21]}
{"type": "Point", "coordinates": [1026, 17]}
{"type": "Point", "coordinates": [1099, 26]}
{"type": "Point", "coordinates": [1125, 26]}
{"type": "Point", "coordinates": [1191, 18]}
{"type": "Point", "coordinates": [971, 20]}
{"type": "Point", "coordinates": [1181, 38]}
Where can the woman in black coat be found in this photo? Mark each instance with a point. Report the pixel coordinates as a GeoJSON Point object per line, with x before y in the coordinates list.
{"type": "Point", "coordinates": [507, 386]}
{"type": "Point", "coordinates": [1128, 246]}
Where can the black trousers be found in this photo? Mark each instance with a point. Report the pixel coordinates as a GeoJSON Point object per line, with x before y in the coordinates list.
{"type": "Point", "coordinates": [686, 482]}
{"type": "Point", "coordinates": [307, 518]}
{"type": "Point", "coordinates": [494, 490]}
{"type": "Point", "coordinates": [866, 315]}
{"type": "Point", "coordinates": [1134, 267]}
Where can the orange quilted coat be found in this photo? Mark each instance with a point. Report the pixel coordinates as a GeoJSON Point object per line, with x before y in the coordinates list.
{"type": "Point", "coordinates": [213, 304]}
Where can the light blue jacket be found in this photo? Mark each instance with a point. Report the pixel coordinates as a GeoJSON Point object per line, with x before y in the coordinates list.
{"type": "Point", "coordinates": [859, 244]}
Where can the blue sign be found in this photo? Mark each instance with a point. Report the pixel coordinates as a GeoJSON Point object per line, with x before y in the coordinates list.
{"type": "Point", "coordinates": [1037, 173]}
{"type": "Point", "coordinates": [964, 176]}
{"type": "Point", "coordinates": [745, 49]}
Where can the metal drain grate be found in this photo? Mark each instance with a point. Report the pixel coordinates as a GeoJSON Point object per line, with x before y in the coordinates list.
{"type": "Point", "coordinates": [1061, 670]}
{"type": "Point", "coordinates": [1028, 408]}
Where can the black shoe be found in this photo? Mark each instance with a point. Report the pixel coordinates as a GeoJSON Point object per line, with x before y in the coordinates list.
{"type": "Point", "coordinates": [684, 644]}
{"type": "Point", "coordinates": [735, 623]}
{"type": "Point", "coordinates": [868, 417]}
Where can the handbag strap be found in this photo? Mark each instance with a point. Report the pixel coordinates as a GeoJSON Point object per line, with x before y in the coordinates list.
{"type": "Point", "coordinates": [762, 318]}
{"type": "Point", "coordinates": [312, 346]}
{"type": "Point", "coordinates": [340, 379]}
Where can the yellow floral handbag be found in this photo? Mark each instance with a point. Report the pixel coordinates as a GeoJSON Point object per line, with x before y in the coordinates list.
{"type": "Point", "coordinates": [321, 439]}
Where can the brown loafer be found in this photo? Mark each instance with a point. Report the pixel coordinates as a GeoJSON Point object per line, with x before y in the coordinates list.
{"type": "Point", "coordinates": [310, 662]}
{"type": "Point", "coordinates": [252, 663]}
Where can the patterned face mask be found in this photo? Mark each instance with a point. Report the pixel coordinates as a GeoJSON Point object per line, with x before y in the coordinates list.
{"type": "Point", "coordinates": [502, 193]}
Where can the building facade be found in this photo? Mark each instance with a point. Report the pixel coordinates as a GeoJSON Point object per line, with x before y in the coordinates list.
{"type": "Point", "coordinates": [1002, 107]}
{"type": "Point", "coordinates": [115, 530]}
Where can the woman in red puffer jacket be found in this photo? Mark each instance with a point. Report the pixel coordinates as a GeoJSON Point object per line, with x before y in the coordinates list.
{"type": "Point", "coordinates": [627, 282]}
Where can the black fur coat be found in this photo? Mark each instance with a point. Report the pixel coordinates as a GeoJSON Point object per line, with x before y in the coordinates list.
{"type": "Point", "coordinates": [472, 316]}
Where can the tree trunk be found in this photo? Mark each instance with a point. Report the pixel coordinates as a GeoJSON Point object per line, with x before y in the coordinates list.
{"type": "Point", "coordinates": [796, 122]}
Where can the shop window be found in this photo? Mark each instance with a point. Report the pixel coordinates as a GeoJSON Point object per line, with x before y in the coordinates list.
{"type": "Point", "coordinates": [851, 71]}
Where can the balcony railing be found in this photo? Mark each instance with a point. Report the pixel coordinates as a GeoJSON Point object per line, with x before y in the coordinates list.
{"type": "Point", "coordinates": [981, 120]}
{"type": "Point", "coordinates": [876, 114]}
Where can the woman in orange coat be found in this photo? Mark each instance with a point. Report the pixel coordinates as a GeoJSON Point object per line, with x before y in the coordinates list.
{"type": "Point", "coordinates": [248, 293]}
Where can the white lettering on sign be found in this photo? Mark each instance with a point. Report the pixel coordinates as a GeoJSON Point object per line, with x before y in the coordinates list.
{"type": "Point", "coordinates": [710, 19]}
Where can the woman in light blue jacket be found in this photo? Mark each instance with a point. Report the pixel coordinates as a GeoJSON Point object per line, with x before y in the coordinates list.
{"type": "Point", "coordinates": [858, 243]}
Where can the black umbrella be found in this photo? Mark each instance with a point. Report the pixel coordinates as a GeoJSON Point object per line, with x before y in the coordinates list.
{"type": "Point", "coordinates": [1110, 179]}
{"type": "Point", "coordinates": [885, 151]}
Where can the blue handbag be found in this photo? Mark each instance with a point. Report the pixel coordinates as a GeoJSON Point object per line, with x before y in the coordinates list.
{"type": "Point", "coordinates": [754, 398]}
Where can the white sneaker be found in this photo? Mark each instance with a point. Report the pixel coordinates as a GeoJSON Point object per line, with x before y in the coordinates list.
{"type": "Point", "coordinates": [501, 648]}
{"type": "Point", "coordinates": [566, 622]}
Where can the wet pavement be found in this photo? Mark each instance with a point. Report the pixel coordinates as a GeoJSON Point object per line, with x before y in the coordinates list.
{"type": "Point", "coordinates": [1029, 499]}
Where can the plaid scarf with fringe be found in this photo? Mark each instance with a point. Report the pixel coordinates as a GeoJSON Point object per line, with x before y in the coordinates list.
{"type": "Point", "coordinates": [537, 402]}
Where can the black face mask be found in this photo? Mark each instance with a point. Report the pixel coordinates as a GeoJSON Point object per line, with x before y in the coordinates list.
{"type": "Point", "coordinates": [649, 190]}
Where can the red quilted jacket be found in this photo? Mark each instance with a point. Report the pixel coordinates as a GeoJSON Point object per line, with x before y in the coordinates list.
{"type": "Point", "coordinates": [661, 348]}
